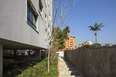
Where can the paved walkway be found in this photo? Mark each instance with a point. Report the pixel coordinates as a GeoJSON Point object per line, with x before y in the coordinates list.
{"type": "Point", "coordinates": [67, 70]}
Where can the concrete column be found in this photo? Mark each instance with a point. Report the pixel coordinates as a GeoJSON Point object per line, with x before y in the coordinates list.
{"type": "Point", "coordinates": [15, 53]}
{"type": "Point", "coordinates": [38, 54]}
{"type": "Point", "coordinates": [29, 52]}
{"type": "Point", "coordinates": [1, 61]}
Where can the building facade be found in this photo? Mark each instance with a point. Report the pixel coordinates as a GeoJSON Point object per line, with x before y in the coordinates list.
{"type": "Point", "coordinates": [70, 43]}
{"type": "Point", "coordinates": [25, 24]}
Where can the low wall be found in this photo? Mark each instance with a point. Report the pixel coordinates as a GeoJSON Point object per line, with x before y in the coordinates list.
{"type": "Point", "coordinates": [97, 62]}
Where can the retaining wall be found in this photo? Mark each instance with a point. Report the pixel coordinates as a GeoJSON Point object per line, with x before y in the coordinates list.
{"type": "Point", "coordinates": [97, 62]}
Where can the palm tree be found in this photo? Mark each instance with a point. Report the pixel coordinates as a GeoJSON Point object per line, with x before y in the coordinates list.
{"type": "Point", "coordinates": [96, 28]}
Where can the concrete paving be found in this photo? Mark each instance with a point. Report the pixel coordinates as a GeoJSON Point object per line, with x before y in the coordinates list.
{"type": "Point", "coordinates": [67, 70]}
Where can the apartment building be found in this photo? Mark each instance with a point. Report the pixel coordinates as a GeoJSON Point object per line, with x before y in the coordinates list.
{"type": "Point", "coordinates": [24, 24]}
{"type": "Point", "coordinates": [70, 43]}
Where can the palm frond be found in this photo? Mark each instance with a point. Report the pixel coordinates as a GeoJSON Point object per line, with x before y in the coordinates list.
{"type": "Point", "coordinates": [91, 28]}
{"type": "Point", "coordinates": [99, 29]}
{"type": "Point", "coordinates": [95, 25]}
{"type": "Point", "coordinates": [101, 26]}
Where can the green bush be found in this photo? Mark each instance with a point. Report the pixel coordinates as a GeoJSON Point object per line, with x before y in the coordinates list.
{"type": "Point", "coordinates": [96, 45]}
{"type": "Point", "coordinates": [34, 69]}
{"type": "Point", "coordinates": [40, 70]}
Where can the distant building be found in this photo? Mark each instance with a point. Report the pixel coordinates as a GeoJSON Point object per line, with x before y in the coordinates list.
{"type": "Point", "coordinates": [86, 43]}
{"type": "Point", "coordinates": [70, 43]}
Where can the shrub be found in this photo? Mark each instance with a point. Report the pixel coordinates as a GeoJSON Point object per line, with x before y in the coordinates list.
{"type": "Point", "coordinates": [40, 70]}
{"type": "Point", "coordinates": [34, 69]}
{"type": "Point", "coordinates": [96, 45]}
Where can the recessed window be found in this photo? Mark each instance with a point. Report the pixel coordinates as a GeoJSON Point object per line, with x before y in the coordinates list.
{"type": "Point", "coordinates": [46, 32]}
{"type": "Point", "coordinates": [31, 16]}
{"type": "Point", "coordinates": [40, 5]}
{"type": "Point", "coordinates": [45, 18]}
{"type": "Point", "coordinates": [45, 2]}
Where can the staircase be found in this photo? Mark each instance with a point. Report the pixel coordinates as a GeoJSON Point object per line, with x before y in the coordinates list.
{"type": "Point", "coordinates": [67, 70]}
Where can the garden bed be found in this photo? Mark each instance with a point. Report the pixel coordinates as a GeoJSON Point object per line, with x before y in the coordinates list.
{"type": "Point", "coordinates": [32, 69]}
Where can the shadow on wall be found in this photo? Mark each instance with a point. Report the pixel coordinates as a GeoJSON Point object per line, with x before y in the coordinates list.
{"type": "Point", "coordinates": [94, 62]}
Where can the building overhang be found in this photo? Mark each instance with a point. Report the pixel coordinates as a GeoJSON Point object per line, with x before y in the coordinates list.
{"type": "Point", "coordinates": [7, 44]}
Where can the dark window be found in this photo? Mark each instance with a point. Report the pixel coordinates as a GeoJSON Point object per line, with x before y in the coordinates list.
{"type": "Point", "coordinates": [31, 16]}
{"type": "Point", "coordinates": [40, 5]}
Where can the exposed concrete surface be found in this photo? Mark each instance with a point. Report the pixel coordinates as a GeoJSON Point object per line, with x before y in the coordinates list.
{"type": "Point", "coordinates": [1, 61]}
{"type": "Point", "coordinates": [94, 62]}
{"type": "Point", "coordinates": [67, 70]}
{"type": "Point", "coordinates": [15, 30]}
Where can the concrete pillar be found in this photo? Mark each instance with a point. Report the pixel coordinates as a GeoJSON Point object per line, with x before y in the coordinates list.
{"type": "Point", "coordinates": [29, 52]}
{"type": "Point", "coordinates": [1, 61]}
{"type": "Point", "coordinates": [15, 53]}
{"type": "Point", "coordinates": [38, 54]}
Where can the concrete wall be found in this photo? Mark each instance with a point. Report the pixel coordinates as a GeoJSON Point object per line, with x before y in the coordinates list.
{"type": "Point", "coordinates": [14, 26]}
{"type": "Point", "coordinates": [98, 62]}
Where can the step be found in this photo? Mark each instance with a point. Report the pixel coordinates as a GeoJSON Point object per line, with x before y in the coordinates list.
{"type": "Point", "coordinates": [67, 70]}
{"type": "Point", "coordinates": [65, 73]}
{"type": "Point", "coordinates": [68, 76]}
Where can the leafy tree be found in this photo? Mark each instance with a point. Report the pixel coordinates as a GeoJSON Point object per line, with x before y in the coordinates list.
{"type": "Point", "coordinates": [60, 8]}
{"type": "Point", "coordinates": [96, 45]}
{"type": "Point", "coordinates": [60, 36]}
{"type": "Point", "coordinates": [96, 28]}
{"type": "Point", "coordinates": [65, 31]}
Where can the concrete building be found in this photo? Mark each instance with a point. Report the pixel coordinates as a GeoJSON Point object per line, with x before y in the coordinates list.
{"type": "Point", "coordinates": [25, 24]}
{"type": "Point", "coordinates": [70, 43]}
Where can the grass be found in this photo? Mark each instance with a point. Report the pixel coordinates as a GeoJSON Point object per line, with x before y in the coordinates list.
{"type": "Point", "coordinates": [35, 69]}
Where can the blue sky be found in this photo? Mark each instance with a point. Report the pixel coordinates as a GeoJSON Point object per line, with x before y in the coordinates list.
{"type": "Point", "coordinates": [89, 12]}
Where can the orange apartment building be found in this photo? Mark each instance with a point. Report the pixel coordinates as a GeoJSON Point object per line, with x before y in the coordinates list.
{"type": "Point", "coordinates": [70, 43]}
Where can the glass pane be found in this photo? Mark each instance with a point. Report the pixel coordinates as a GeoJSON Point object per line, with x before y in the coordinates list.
{"type": "Point", "coordinates": [31, 17]}
{"type": "Point", "coordinates": [30, 23]}
{"type": "Point", "coordinates": [27, 11]}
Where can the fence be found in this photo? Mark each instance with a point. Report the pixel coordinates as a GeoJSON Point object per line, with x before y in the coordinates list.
{"type": "Point", "coordinates": [97, 62]}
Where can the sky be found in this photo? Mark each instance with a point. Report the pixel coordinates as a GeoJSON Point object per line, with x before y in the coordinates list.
{"type": "Point", "coordinates": [86, 13]}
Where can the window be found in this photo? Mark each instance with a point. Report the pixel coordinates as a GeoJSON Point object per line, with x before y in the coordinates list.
{"type": "Point", "coordinates": [41, 8]}
{"type": "Point", "coordinates": [31, 16]}
{"type": "Point", "coordinates": [45, 18]}
{"type": "Point", "coordinates": [45, 2]}
{"type": "Point", "coordinates": [40, 5]}
{"type": "Point", "coordinates": [46, 32]}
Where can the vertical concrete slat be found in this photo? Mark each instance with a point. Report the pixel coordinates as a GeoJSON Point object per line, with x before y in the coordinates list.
{"type": "Point", "coordinates": [1, 61]}
{"type": "Point", "coordinates": [15, 53]}
{"type": "Point", "coordinates": [38, 55]}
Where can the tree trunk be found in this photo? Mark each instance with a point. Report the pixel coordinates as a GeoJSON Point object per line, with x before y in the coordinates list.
{"type": "Point", "coordinates": [49, 60]}
{"type": "Point", "coordinates": [95, 36]}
